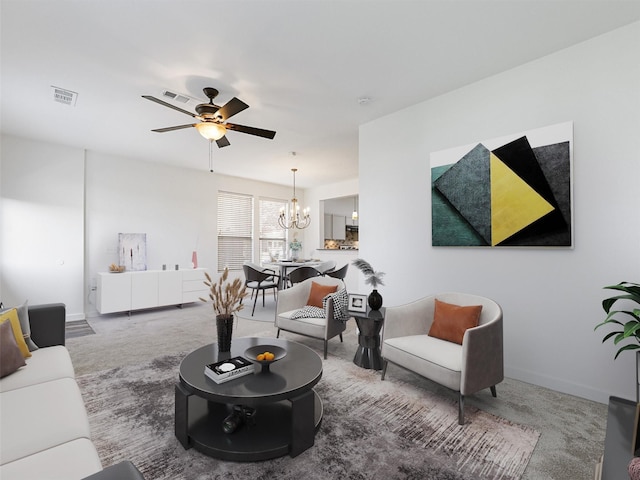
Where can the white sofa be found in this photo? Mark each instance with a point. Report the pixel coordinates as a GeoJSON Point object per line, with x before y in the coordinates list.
{"type": "Point", "coordinates": [44, 428]}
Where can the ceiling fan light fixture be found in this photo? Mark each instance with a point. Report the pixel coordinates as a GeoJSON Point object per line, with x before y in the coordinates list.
{"type": "Point", "coordinates": [211, 131]}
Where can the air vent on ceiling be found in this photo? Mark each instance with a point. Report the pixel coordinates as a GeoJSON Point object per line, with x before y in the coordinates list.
{"type": "Point", "coordinates": [64, 96]}
{"type": "Point", "coordinates": [176, 96]}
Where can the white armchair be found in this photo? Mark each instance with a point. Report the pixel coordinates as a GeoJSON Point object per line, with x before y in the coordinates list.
{"type": "Point", "coordinates": [293, 299]}
{"type": "Point", "coordinates": [468, 368]}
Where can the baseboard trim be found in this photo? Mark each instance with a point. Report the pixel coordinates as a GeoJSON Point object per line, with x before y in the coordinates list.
{"type": "Point", "coordinates": [74, 317]}
{"type": "Point", "coordinates": [566, 386]}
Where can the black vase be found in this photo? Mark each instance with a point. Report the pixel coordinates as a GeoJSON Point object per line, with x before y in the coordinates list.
{"type": "Point", "coordinates": [224, 324]}
{"type": "Point", "coordinates": [375, 300]}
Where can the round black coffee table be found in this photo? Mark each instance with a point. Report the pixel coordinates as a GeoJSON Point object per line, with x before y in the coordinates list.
{"type": "Point", "coordinates": [287, 409]}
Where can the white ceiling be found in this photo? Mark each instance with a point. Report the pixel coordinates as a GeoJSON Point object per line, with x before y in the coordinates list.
{"type": "Point", "coordinates": [300, 65]}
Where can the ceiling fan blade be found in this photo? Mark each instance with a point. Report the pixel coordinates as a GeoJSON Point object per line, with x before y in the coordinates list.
{"type": "Point", "coordinates": [229, 109]}
{"type": "Point", "coordinates": [250, 130]}
{"type": "Point", "coordinates": [161, 102]}
{"type": "Point", "coordinates": [223, 142]}
{"type": "Point", "coordinates": [170, 129]}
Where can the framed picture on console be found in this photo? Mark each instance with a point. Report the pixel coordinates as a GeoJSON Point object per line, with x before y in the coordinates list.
{"type": "Point", "coordinates": [357, 303]}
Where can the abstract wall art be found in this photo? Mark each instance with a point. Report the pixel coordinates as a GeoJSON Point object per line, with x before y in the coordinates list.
{"type": "Point", "coordinates": [511, 191]}
{"type": "Point", "coordinates": [132, 249]}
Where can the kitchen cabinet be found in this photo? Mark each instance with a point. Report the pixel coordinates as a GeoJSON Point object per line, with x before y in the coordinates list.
{"type": "Point", "coordinates": [127, 291]}
{"type": "Point", "coordinates": [339, 225]}
{"type": "Point", "coordinates": [328, 226]}
{"type": "Point", "coordinates": [335, 227]}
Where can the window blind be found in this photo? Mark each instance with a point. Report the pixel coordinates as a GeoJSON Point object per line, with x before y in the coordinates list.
{"type": "Point", "coordinates": [273, 239]}
{"type": "Point", "coordinates": [235, 229]}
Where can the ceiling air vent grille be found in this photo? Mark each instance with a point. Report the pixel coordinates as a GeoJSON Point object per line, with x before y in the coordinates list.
{"type": "Point", "coordinates": [64, 96]}
{"type": "Point", "coordinates": [176, 96]}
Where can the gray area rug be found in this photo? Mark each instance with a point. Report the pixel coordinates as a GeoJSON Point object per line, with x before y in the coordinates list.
{"type": "Point", "coordinates": [572, 429]}
{"type": "Point", "coordinates": [371, 429]}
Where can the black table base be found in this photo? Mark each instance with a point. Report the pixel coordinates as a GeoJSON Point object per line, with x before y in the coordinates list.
{"type": "Point", "coordinates": [199, 425]}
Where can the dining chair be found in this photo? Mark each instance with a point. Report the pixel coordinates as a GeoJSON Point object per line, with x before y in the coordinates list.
{"type": "Point", "coordinates": [259, 281]}
{"type": "Point", "coordinates": [340, 273]}
{"type": "Point", "coordinates": [275, 278]}
{"type": "Point", "coordinates": [302, 273]}
{"type": "Point", "coordinates": [326, 267]}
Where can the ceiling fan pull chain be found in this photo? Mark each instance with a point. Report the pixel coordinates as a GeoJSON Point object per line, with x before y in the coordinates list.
{"type": "Point", "coordinates": [211, 156]}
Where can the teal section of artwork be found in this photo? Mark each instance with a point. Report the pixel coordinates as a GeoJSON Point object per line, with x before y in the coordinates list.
{"type": "Point", "coordinates": [448, 227]}
{"type": "Point", "coordinates": [467, 187]}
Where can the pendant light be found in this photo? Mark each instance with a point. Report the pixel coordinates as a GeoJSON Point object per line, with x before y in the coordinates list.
{"type": "Point", "coordinates": [354, 215]}
{"type": "Point", "coordinates": [295, 220]}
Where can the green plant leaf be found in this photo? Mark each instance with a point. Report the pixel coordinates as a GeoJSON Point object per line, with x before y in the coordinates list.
{"type": "Point", "coordinates": [627, 347]}
{"type": "Point", "coordinates": [630, 328]}
{"type": "Point", "coordinates": [609, 335]}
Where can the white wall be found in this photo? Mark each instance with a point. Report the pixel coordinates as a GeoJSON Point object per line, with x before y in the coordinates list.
{"type": "Point", "coordinates": [42, 224]}
{"type": "Point", "coordinates": [551, 297]}
{"type": "Point", "coordinates": [175, 207]}
{"type": "Point", "coordinates": [47, 254]}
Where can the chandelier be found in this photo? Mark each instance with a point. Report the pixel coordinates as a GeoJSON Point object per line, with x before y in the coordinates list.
{"type": "Point", "coordinates": [295, 220]}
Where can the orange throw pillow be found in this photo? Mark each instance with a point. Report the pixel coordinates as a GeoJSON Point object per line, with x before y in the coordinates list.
{"type": "Point", "coordinates": [451, 321]}
{"type": "Point", "coordinates": [318, 292]}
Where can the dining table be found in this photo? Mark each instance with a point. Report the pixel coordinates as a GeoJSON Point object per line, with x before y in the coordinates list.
{"type": "Point", "coordinates": [285, 265]}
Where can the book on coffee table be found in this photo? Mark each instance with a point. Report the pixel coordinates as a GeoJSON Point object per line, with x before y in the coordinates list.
{"type": "Point", "coordinates": [226, 370]}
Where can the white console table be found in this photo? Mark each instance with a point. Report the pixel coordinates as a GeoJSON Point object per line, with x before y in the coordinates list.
{"type": "Point", "coordinates": [127, 291]}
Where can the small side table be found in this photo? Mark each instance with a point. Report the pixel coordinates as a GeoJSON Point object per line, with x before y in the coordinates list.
{"type": "Point", "coordinates": [369, 327]}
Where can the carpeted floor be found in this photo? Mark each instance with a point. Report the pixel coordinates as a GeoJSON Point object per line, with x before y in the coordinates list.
{"type": "Point", "coordinates": [260, 314]}
{"type": "Point", "coordinates": [371, 429]}
{"type": "Point", "coordinates": [572, 429]}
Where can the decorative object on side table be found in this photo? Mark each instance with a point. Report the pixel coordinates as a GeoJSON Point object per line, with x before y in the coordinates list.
{"type": "Point", "coordinates": [372, 278]}
{"type": "Point", "coordinates": [227, 300]}
{"type": "Point", "coordinates": [357, 303]}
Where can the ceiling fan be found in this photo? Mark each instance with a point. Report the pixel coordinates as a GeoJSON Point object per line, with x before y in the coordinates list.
{"type": "Point", "coordinates": [213, 119]}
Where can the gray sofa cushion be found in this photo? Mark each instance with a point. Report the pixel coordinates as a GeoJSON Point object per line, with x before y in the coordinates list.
{"type": "Point", "coordinates": [25, 325]}
{"type": "Point", "coordinates": [11, 358]}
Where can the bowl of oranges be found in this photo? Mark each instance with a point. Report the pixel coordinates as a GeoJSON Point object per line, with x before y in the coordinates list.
{"type": "Point", "coordinates": [265, 355]}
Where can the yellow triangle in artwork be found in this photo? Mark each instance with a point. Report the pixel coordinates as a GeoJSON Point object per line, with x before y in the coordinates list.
{"type": "Point", "coordinates": [514, 204]}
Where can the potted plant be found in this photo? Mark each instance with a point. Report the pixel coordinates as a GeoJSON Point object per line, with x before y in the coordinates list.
{"type": "Point", "coordinates": [372, 278]}
{"type": "Point", "coordinates": [295, 247]}
{"type": "Point", "coordinates": [227, 300]}
{"type": "Point", "coordinates": [629, 329]}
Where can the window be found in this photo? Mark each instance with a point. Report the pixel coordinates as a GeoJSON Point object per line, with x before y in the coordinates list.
{"type": "Point", "coordinates": [235, 230]}
{"type": "Point", "coordinates": [273, 239]}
